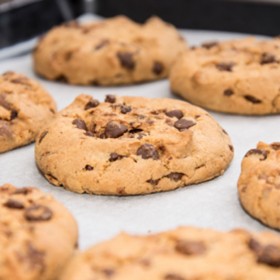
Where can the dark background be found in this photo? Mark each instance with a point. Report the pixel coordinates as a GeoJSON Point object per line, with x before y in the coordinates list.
{"type": "Point", "coordinates": [239, 16]}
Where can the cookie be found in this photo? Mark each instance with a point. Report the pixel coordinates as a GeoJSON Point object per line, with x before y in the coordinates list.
{"type": "Point", "coordinates": [38, 235]}
{"type": "Point", "coordinates": [238, 77]}
{"type": "Point", "coordinates": [110, 52]}
{"type": "Point", "coordinates": [24, 107]}
{"type": "Point", "coordinates": [131, 145]}
{"type": "Point", "coordinates": [185, 253]}
{"type": "Point", "coordinates": [259, 183]}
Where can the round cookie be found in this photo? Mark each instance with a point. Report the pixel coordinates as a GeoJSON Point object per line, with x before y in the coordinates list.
{"type": "Point", "coordinates": [38, 235]}
{"type": "Point", "coordinates": [259, 183]}
{"type": "Point", "coordinates": [110, 52]}
{"type": "Point", "coordinates": [182, 254]}
{"type": "Point", "coordinates": [24, 107]}
{"type": "Point", "coordinates": [239, 77]}
{"type": "Point", "coordinates": [131, 145]}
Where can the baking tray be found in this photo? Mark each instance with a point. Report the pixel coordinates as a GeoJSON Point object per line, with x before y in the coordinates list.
{"type": "Point", "coordinates": [211, 204]}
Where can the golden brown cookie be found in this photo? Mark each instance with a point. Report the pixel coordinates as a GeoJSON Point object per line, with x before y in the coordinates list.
{"type": "Point", "coordinates": [182, 254]}
{"type": "Point", "coordinates": [110, 52]}
{"type": "Point", "coordinates": [37, 234]}
{"type": "Point", "coordinates": [239, 77]}
{"type": "Point", "coordinates": [24, 107]}
{"type": "Point", "coordinates": [131, 145]}
{"type": "Point", "coordinates": [259, 183]}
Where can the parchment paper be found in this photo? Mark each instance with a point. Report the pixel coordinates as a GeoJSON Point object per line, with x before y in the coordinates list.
{"type": "Point", "coordinates": [212, 204]}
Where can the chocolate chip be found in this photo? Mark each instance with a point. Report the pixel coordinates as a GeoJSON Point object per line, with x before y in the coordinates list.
{"type": "Point", "coordinates": [79, 123]}
{"type": "Point", "coordinates": [114, 157]}
{"type": "Point", "coordinates": [88, 167]}
{"type": "Point", "coordinates": [158, 67]}
{"type": "Point", "coordinates": [135, 130]}
{"type": "Point", "coordinates": [252, 99]}
{"type": "Point", "coordinates": [89, 133]}
{"type": "Point", "coordinates": [35, 258]}
{"type": "Point", "coordinates": [175, 176]}
{"type": "Point", "coordinates": [38, 213]}
{"type": "Point", "coordinates": [91, 104]}
{"type": "Point", "coordinates": [102, 44]}
{"type": "Point", "coordinates": [225, 66]}
{"type": "Point", "coordinates": [42, 136]}
{"type": "Point", "coordinates": [183, 124]}
{"type": "Point", "coordinates": [173, 276]}
{"type": "Point", "coordinates": [209, 45]}
{"type": "Point", "coordinates": [267, 58]}
{"type": "Point", "coordinates": [147, 151]}
{"type": "Point", "coordinates": [231, 148]}
{"type": "Point", "coordinates": [125, 109]}
{"type": "Point", "coordinates": [13, 115]}
{"type": "Point", "coordinates": [175, 113]}
{"type": "Point", "coordinates": [23, 191]}
{"type": "Point", "coordinates": [114, 129]}
{"type": "Point", "coordinates": [261, 153]}
{"type": "Point", "coordinates": [153, 182]}
{"type": "Point", "coordinates": [270, 255]}
{"type": "Point", "coordinates": [186, 247]}
{"type": "Point", "coordinates": [108, 272]}
{"type": "Point", "coordinates": [110, 98]}
{"type": "Point", "coordinates": [126, 60]}
{"type": "Point", "coordinates": [275, 146]}
{"type": "Point", "coordinates": [228, 92]}
{"type": "Point", "coordinates": [13, 204]}
{"type": "Point", "coordinates": [266, 254]}
{"type": "Point", "coordinates": [224, 131]}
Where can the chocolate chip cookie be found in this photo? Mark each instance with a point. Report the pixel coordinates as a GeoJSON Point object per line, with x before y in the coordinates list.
{"type": "Point", "coordinates": [131, 145]}
{"type": "Point", "coordinates": [182, 254]}
{"type": "Point", "coordinates": [239, 77]}
{"type": "Point", "coordinates": [24, 107]}
{"type": "Point", "coordinates": [37, 234]}
{"type": "Point", "coordinates": [110, 52]}
{"type": "Point", "coordinates": [259, 183]}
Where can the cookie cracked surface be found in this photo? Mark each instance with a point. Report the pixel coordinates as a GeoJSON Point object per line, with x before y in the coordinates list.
{"type": "Point", "coordinates": [110, 52]}
{"type": "Point", "coordinates": [239, 77]}
{"type": "Point", "coordinates": [131, 145]}
{"type": "Point", "coordinates": [259, 183]}
{"type": "Point", "coordinates": [37, 234]}
{"type": "Point", "coordinates": [182, 254]}
{"type": "Point", "coordinates": [24, 107]}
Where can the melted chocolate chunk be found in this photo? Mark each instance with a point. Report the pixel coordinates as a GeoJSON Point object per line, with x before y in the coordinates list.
{"type": "Point", "coordinates": [108, 272]}
{"type": "Point", "coordinates": [252, 99]}
{"type": "Point", "coordinates": [23, 191]}
{"type": "Point", "coordinates": [225, 66]}
{"type": "Point", "coordinates": [158, 67]}
{"type": "Point", "coordinates": [175, 176]}
{"type": "Point", "coordinates": [88, 167]}
{"type": "Point", "coordinates": [114, 157]}
{"type": "Point", "coordinates": [110, 98]}
{"type": "Point", "coordinates": [209, 45]}
{"type": "Point", "coordinates": [267, 58]}
{"type": "Point", "coordinates": [38, 213]}
{"type": "Point", "coordinates": [175, 113]}
{"type": "Point", "coordinates": [91, 104]}
{"type": "Point", "coordinates": [183, 124]}
{"type": "Point", "coordinates": [187, 247]}
{"type": "Point", "coordinates": [13, 204]}
{"type": "Point", "coordinates": [147, 151]}
{"type": "Point", "coordinates": [126, 60]}
{"type": "Point", "coordinates": [125, 109]}
{"type": "Point", "coordinates": [261, 153]}
{"type": "Point", "coordinates": [79, 123]}
{"type": "Point", "coordinates": [228, 92]}
{"type": "Point", "coordinates": [153, 182]}
{"type": "Point", "coordinates": [114, 129]}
